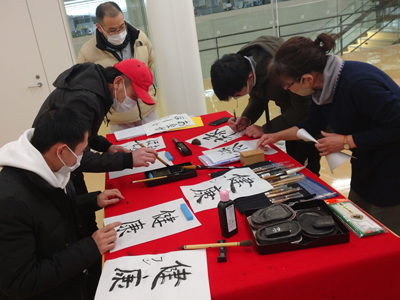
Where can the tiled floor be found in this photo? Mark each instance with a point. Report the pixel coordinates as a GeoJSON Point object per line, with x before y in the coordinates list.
{"type": "Point", "coordinates": [387, 59]}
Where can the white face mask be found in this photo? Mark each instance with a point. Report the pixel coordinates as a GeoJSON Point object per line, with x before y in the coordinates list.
{"type": "Point", "coordinates": [65, 169]}
{"type": "Point", "coordinates": [125, 106]}
{"type": "Point", "coordinates": [116, 39]}
{"type": "Point", "coordinates": [303, 92]}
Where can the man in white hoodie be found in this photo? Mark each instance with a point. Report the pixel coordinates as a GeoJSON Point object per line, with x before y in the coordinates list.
{"type": "Point", "coordinates": [44, 253]}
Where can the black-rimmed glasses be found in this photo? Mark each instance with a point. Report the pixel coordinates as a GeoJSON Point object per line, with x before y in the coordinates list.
{"type": "Point", "coordinates": [112, 32]}
{"type": "Point", "coordinates": [286, 87]}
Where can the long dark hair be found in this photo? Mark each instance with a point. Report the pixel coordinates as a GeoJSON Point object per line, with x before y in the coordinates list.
{"type": "Point", "coordinates": [300, 55]}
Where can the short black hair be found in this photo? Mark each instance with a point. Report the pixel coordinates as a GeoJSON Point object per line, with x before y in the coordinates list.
{"type": "Point", "coordinates": [110, 73]}
{"type": "Point", "coordinates": [59, 124]}
{"type": "Point", "coordinates": [110, 9]}
{"type": "Point", "coordinates": [229, 75]}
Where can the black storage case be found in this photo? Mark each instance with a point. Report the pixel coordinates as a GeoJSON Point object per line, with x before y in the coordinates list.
{"type": "Point", "coordinates": [342, 236]}
{"type": "Point", "coordinates": [173, 173]}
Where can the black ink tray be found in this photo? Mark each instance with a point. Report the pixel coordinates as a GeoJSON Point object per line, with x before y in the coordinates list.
{"type": "Point", "coordinates": [340, 237]}
{"type": "Point", "coordinates": [173, 173]}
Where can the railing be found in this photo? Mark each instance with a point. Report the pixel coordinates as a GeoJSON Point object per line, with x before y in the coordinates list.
{"type": "Point", "coordinates": [341, 29]}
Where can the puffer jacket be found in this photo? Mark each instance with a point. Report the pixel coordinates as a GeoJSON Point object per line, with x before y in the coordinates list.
{"type": "Point", "coordinates": [96, 51]}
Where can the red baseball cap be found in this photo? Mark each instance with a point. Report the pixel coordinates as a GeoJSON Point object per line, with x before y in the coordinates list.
{"type": "Point", "coordinates": [140, 76]}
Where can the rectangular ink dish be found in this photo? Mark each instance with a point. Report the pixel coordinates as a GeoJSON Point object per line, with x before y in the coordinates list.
{"type": "Point", "coordinates": [173, 173]}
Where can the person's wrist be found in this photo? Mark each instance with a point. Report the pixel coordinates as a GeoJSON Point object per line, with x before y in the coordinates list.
{"type": "Point", "coordinates": [248, 121]}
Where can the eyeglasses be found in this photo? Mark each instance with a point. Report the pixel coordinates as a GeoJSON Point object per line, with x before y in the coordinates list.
{"type": "Point", "coordinates": [116, 31]}
{"type": "Point", "coordinates": [286, 87]}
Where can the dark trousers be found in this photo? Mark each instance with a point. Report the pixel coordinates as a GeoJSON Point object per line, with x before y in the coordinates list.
{"type": "Point", "coordinates": [301, 151]}
{"type": "Point", "coordinates": [388, 216]}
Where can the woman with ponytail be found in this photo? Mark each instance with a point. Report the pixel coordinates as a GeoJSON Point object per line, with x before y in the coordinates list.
{"type": "Point", "coordinates": [361, 104]}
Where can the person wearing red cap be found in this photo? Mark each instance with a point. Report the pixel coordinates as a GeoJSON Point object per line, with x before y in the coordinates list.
{"type": "Point", "coordinates": [93, 90]}
{"type": "Point", "coordinates": [116, 40]}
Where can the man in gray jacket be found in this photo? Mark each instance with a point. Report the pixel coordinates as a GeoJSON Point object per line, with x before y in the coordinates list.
{"type": "Point", "coordinates": [246, 72]}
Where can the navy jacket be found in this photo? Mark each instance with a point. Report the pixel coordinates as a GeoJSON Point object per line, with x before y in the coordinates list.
{"type": "Point", "coordinates": [366, 104]}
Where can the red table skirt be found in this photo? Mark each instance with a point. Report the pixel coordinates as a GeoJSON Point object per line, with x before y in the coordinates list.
{"type": "Point", "coordinates": [364, 268]}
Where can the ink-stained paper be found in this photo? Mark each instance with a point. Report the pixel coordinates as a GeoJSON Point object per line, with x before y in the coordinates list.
{"type": "Point", "coordinates": [217, 137]}
{"type": "Point", "coordinates": [157, 165]}
{"type": "Point", "coordinates": [233, 150]}
{"type": "Point", "coordinates": [150, 224]}
{"type": "Point", "coordinates": [240, 182]}
{"type": "Point", "coordinates": [168, 122]}
{"type": "Point", "coordinates": [154, 143]}
{"type": "Point", "coordinates": [174, 275]}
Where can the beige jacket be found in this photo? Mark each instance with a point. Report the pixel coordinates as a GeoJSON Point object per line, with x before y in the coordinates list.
{"type": "Point", "coordinates": [143, 51]}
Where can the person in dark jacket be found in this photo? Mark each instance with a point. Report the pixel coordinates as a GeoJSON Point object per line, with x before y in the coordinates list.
{"type": "Point", "coordinates": [362, 106]}
{"type": "Point", "coordinates": [44, 252]}
{"type": "Point", "coordinates": [92, 90]}
{"type": "Point", "coordinates": [245, 72]}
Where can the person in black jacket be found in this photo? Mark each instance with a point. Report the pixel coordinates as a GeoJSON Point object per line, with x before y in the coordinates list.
{"type": "Point", "coordinates": [92, 90]}
{"type": "Point", "coordinates": [44, 251]}
{"type": "Point", "coordinates": [245, 72]}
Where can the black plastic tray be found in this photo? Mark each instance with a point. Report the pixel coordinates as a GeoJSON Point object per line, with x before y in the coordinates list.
{"type": "Point", "coordinates": [173, 173]}
{"type": "Point", "coordinates": [342, 236]}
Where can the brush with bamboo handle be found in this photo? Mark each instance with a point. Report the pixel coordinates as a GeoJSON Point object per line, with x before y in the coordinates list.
{"type": "Point", "coordinates": [148, 179]}
{"type": "Point", "coordinates": [245, 243]}
{"type": "Point", "coordinates": [143, 146]}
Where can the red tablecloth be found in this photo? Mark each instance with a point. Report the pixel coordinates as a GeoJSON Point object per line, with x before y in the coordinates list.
{"type": "Point", "coordinates": [364, 268]}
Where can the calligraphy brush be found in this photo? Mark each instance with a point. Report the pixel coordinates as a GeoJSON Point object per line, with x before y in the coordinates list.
{"type": "Point", "coordinates": [287, 180]}
{"type": "Point", "coordinates": [291, 191]}
{"type": "Point", "coordinates": [143, 146]}
{"type": "Point", "coordinates": [245, 243]}
{"type": "Point", "coordinates": [199, 167]}
{"type": "Point", "coordinates": [288, 172]}
{"type": "Point", "coordinates": [148, 179]}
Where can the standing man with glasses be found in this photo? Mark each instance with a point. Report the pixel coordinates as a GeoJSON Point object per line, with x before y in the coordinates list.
{"type": "Point", "coordinates": [246, 73]}
{"type": "Point", "coordinates": [117, 40]}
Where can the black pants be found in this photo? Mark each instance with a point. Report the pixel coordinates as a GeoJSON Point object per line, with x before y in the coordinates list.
{"type": "Point", "coordinates": [300, 151]}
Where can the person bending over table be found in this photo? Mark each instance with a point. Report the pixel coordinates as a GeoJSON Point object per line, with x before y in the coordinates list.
{"type": "Point", "coordinates": [93, 90]}
{"type": "Point", "coordinates": [362, 106]}
{"type": "Point", "coordinates": [238, 74]}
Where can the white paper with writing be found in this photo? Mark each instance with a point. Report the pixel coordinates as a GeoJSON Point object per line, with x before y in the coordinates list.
{"type": "Point", "coordinates": [150, 224]}
{"type": "Point", "coordinates": [168, 122]}
{"type": "Point", "coordinates": [233, 150]}
{"type": "Point", "coordinates": [217, 137]}
{"type": "Point", "coordinates": [154, 143]}
{"type": "Point", "coordinates": [178, 275]}
{"type": "Point", "coordinates": [240, 182]}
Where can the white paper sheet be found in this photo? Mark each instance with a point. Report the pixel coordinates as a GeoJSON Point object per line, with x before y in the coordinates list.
{"type": "Point", "coordinates": [178, 275]}
{"type": "Point", "coordinates": [217, 137]}
{"type": "Point", "coordinates": [129, 133]}
{"type": "Point", "coordinates": [241, 183]}
{"type": "Point", "coordinates": [150, 224]}
{"type": "Point", "coordinates": [154, 143]}
{"type": "Point", "coordinates": [334, 159]}
{"type": "Point", "coordinates": [155, 166]}
{"type": "Point", "coordinates": [168, 122]}
{"type": "Point", "coordinates": [234, 150]}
